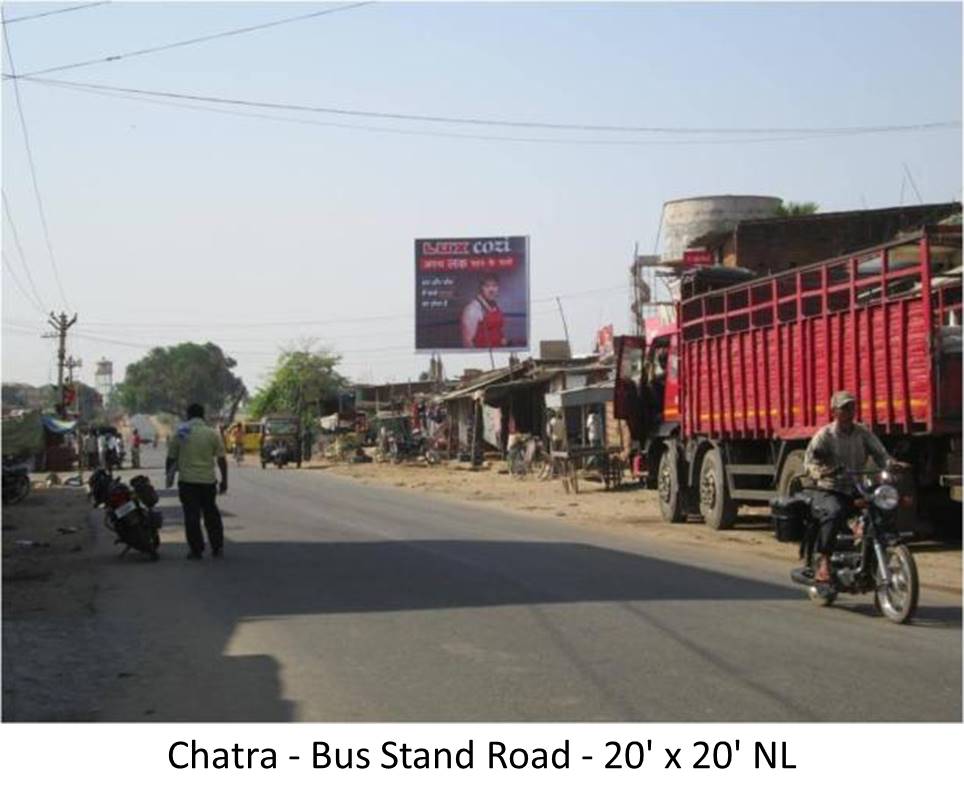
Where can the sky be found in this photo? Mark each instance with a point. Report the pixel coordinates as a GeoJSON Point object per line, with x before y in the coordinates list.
{"type": "Point", "coordinates": [170, 224]}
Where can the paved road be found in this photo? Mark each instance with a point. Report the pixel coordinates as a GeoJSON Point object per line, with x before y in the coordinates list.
{"type": "Point", "coordinates": [341, 602]}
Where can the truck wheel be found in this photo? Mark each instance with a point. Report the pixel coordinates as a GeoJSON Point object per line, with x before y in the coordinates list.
{"type": "Point", "coordinates": [789, 483]}
{"type": "Point", "coordinates": [668, 488]}
{"type": "Point", "coordinates": [718, 510]}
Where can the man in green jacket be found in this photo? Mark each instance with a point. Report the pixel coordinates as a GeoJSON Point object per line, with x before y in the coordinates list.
{"type": "Point", "coordinates": [192, 454]}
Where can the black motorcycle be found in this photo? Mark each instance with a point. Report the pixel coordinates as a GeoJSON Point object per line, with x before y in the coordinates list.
{"type": "Point", "coordinates": [16, 482]}
{"type": "Point", "coordinates": [278, 454]}
{"type": "Point", "coordinates": [129, 512]}
{"type": "Point", "coordinates": [869, 556]}
{"type": "Point", "coordinates": [413, 446]}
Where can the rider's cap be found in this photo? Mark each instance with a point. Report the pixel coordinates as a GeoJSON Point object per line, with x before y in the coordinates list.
{"type": "Point", "coordinates": [842, 398]}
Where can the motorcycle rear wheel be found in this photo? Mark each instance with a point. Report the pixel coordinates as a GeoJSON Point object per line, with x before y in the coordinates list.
{"type": "Point", "coordinates": [898, 601]}
{"type": "Point", "coordinates": [17, 490]}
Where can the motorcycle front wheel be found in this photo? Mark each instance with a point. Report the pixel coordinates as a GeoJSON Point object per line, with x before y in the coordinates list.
{"type": "Point", "coordinates": [897, 601]}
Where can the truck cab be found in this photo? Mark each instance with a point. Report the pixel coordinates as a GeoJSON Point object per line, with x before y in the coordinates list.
{"type": "Point", "coordinates": [646, 393]}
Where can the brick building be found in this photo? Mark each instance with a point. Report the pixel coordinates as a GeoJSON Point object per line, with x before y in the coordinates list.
{"type": "Point", "coordinates": [771, 245]}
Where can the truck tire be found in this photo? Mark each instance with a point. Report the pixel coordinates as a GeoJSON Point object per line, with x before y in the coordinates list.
{"type": "Point", "coordinates": [789, 484]}
{"type": "Point", "coordinates": [668, 488]}
{"type": "Point", "coordinates": [716, 506]}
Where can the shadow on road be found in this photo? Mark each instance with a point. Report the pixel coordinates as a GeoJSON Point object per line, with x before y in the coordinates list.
{"type": "Point", "coordinates": [284, 578]}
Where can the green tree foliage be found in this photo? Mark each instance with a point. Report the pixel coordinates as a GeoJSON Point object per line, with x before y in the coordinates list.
{"type": "Point", "coordinates": [791, 209]}
{"type": "Point", "coordinates": [168, 379]}
{"type": "Point", "coordinates": [301, 383]}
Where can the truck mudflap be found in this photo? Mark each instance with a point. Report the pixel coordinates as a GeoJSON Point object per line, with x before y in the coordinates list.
{"type": "Point", "coordinates": [953, 483]}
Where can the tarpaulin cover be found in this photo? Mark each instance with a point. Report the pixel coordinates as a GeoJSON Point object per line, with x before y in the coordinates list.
{"type": "Point", "coordinates": [59, 425]}
{"type": "Point", "coordinates": [23, 435]}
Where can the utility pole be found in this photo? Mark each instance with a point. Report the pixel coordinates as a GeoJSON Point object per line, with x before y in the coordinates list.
{"type": "Point", "coordinates": [61, 325]}
{"type": "Point", "coordinates": [71, 364]}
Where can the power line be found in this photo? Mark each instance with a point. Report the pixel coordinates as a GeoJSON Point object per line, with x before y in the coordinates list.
{"type": "Point", "coordinates": [121, 94]}
{"type": "Point", "coordinates": [496, 122]}
{"type": "Point", "coordinates": [23, 258]}
{"type": "Point", "coordinates": [20, 287]}
{"type": "Point", "coordinates": [33, 169]}
{"type": "Point", "coordinates": [195, 41]}
{"type": "Point", "coordinates": [58, 11]}
{"type": "Point", "coordinates": [326, 322]}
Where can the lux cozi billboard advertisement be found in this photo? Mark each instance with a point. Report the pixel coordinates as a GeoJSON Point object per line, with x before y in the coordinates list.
{"type": "Point", "coordinates": [472, 294]}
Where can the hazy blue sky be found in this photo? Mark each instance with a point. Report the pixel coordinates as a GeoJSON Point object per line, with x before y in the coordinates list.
{"type": "Point", "coordinates": [171, 224]}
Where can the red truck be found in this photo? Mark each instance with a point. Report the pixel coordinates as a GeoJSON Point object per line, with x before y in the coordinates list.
{"type": "Point", "coordinates": [721, 403]}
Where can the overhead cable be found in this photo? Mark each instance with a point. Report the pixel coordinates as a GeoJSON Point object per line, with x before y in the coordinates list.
{"type": "Point", "coordinates": [20, 286]}
{"type": "Point", "coordinates": [57, 11]}
{"type": "Point", "coordinates": [195, 41]}
{"type": "Point", "coordinates": [23, 258]}
{"type": "Point", "coordinates": [323, 322]}
{"type": "Point", "coordinates": [195, 107]}
{"type": "Point", "coordinates": [33, 169]}
{"type": "Point", "coordinates": [495, 122]}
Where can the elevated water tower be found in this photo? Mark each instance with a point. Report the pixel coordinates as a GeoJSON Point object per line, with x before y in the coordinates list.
{"type": "Point", "coordinates": [686, 219]}
{"type": "Point", "coordinates": [104, 379]}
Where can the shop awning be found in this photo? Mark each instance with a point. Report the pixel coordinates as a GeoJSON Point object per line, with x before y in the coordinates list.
{"type": "Point", "coordinates": [598, 394]}
{"type": "Point", "coordinates": [497, 393]}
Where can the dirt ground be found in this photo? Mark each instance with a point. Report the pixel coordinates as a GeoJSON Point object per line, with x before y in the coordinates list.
{"type": "Point", "coordinates": [51, 670]}
{"type": "Point", "coordinates": [629, 509]}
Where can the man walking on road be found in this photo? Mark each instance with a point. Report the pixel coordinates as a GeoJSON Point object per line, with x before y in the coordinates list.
{"type": "Point", "coordinates": [192, 453]}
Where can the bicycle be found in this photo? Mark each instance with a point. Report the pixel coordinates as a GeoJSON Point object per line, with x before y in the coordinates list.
{"type": "Point", "coordinates": [527, 456]}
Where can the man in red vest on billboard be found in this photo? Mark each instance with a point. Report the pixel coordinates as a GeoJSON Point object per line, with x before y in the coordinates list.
{"type": "Point", "coordinates": [482, 320]}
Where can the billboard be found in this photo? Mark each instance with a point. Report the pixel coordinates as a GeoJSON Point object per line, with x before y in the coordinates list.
{"type": "Point", "coordinates": [472, 294]}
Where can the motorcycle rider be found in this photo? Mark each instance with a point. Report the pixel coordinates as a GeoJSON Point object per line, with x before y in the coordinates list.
{"type": "Point", "coordinates": [842, 445]}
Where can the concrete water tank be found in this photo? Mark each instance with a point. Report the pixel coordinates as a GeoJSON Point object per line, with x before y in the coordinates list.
{"type": "Point", "coordinates": [685, 219]}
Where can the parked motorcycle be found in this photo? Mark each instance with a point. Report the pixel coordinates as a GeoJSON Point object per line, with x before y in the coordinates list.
{"type": "Point", "coordinates": [16, 482]}
{"type": "Point", "coordinates": [417, 445]}
{"type": "Point", "coordinates": [130, 514]}
{"type": "Point", "coordinates": [870, 556]}
{"type": "Point", "coordinates": [98, 486]}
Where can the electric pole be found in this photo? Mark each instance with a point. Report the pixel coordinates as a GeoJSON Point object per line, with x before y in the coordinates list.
{"type": "Point", "coordinates": [61, 325]}
{"type": "Point", "coordinates": [71, 364]}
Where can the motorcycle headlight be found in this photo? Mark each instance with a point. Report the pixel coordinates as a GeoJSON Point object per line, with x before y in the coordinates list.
{"type": "Point", "coordinates": [886, 497]}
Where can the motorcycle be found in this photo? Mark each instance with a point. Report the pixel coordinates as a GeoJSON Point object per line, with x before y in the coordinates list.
{"type": "Point", "coordinates": [278, 454]}
{"type": "Point", "coordinates": [129, 512]}
{"type": "Point", "coordinates": [869, 556]}
{"type": "Point", "coordinates": [401, 448]}
{"type": "Point", "coordinates": [16, 482]}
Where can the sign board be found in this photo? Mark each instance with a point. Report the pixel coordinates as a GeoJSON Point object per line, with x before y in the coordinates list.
{"type": "Point", "coordinates": [604, 340]}
{"type": "Point", "coordinates": [472, 294]}
{"type": "Point", "coordinates": [554, 350]}
{"type": "Point", "coordinates": [698, 257]}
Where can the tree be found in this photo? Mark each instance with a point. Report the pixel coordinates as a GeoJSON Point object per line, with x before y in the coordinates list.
{"type": "Point", "coordinates": [301, 383]}
{"type": "Point", "coordinates": [168, 379]}
{"type": "Point", "coordinates": [792, 209]}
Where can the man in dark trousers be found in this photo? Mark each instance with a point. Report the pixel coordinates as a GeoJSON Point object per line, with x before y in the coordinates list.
{"type": "Point", "coordinates": [192, 453]}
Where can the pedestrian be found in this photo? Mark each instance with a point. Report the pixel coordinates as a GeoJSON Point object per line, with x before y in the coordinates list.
{"type": "Point", "coordinates": [90, 448]}
{"type": "Point", "coordinates": [192, 454]}
{"type": "Point", "coordinates": [136, 442]}
{"type": "Point", "coordinates": [594, 429]}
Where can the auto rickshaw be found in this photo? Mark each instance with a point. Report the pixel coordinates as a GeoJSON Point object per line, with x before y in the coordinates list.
{"type": "Point", "coordinates": [281, 440]}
